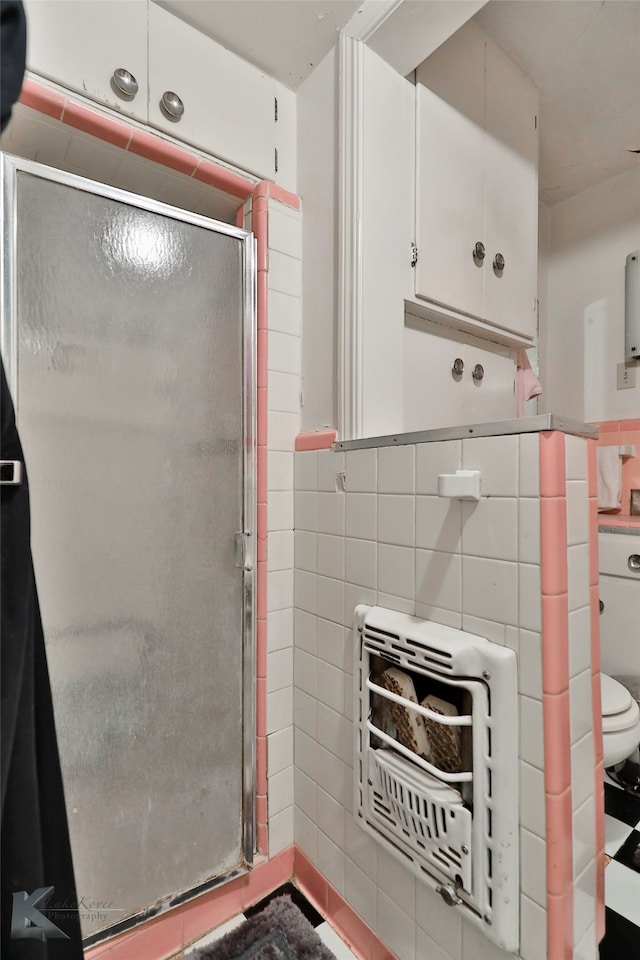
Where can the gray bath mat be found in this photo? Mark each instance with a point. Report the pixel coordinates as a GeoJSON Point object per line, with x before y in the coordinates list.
{"type": "Point", "coordinates": [279, 932]}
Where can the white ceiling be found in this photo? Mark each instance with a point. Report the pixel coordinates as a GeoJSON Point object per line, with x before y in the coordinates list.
{"type": "Point", "coordinates": [583, 55]}
{"type": "Point", "coordinates": [285, 38]}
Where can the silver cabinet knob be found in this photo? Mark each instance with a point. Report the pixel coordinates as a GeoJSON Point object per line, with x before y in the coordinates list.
{"type": "Point", "coordinates": [458, 367]}
{"type": "Point", "coordinates": [478, 373]}
{"type": "Point", "coordinates": [171, 105]}
{"type": "Point", "coordinates": [634, 561]}
{"type": "Point", "coordinates": [498, 263]}
{"type": "Point", "coordinates": [124, 83]}
{"type": "Point", "coordinates": [479, 252]}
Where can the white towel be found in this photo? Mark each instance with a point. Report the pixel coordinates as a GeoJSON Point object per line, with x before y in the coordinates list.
{"type": "Point", "coordinates": [609, 478]}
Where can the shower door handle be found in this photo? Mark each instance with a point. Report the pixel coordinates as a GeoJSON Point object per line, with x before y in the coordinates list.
{"type": "Point", "coordinates": [242, 537]}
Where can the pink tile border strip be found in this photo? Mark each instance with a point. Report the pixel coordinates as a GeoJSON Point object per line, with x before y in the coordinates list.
{"type": "Point", "coordinates": [164, 936]}
{"type": "Point", "coordinates": [555, 699]}
{"type": "Point", "coordinates": [598, 783]}
{"type": "Point", "coordinates": [361, 939]}
{"type": "Point", "coordinates": [320, 440]}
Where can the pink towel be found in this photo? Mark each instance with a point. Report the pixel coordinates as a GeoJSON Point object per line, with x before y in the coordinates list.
{"type": "Point", "coordinates": [528, 384]}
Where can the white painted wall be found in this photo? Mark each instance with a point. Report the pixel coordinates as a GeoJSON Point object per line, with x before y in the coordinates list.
{"type": "Point", "coordinates": [317, 102]}
{"type": "Point", "coordinates": [589, 238]}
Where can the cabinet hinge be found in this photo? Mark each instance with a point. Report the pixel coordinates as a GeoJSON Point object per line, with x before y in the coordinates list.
{"type": "Point", "coordinates": [275, 109]}
{"type": "Point", "coordinates": [414, 254]}
{"type": "Point", "coordinates": [276, 159]}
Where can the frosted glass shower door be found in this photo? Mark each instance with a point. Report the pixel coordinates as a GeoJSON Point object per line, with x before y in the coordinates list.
{"type": "Point", "coordinates": [128, 328]}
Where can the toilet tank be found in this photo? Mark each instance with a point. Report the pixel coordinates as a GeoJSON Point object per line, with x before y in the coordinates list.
{"type": "Point", "coordinates": [620, 594]}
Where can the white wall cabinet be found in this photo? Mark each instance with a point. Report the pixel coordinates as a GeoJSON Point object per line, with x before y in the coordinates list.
{"type": "Point", "coordinates": [229, 105]}
{"type": "Point", "coordinates": [434, 396]}
{"type": "Point", "coordinates": [80, 44]}
{"type": "Point", "coordinates": [477, 188]}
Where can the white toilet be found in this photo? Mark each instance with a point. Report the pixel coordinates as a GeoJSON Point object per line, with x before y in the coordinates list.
{"type": "Point", "coordinates": [620, 721]}
{"type": "Point", "coordinates": [620, 643]}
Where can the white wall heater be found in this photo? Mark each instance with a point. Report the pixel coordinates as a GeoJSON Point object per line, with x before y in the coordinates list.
{"type": "Point", "coordinates": [436, 762]}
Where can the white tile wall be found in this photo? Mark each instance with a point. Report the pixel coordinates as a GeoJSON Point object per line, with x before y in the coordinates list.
{"type": "Point", "coordinates": [406, 548]}
{"type": "Point", "coordinates": [286, 662]}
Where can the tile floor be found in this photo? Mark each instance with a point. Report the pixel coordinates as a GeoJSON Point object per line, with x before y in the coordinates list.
{"type": "Point", "coordinates": [622, 888]}
{"type": "Point", "coordinates": [326, 933]}
{"type": "Point", "coordinates": [622, 875]}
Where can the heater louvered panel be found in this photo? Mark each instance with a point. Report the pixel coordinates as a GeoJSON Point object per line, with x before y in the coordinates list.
{"type": "Point", "coordinates": [420, 686]}
{"type": "Point", "coordinates": [431, 817]}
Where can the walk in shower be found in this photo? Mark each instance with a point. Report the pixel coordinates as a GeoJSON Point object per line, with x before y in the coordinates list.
{"type": "Point", "coordinates": [128, 339]}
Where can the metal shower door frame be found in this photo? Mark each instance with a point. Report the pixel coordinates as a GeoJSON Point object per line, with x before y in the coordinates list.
{"type": "Point", "coordinates": [10, 167]}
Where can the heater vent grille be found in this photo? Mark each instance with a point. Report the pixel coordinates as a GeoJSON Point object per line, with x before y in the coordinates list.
{"type": "Point", "coordinates": [436, 724]}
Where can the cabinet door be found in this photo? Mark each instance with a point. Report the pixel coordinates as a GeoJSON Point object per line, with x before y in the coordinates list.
{"type": "Point", "coordinates": [229, 105]}
{"type": "Point", "coordinates": [450, 150]}
{"type": "Point", "coordinates": [493, 397]}
{"type": "Point", "coordinates": [80, 44]}
{"type": "Point", "coordinates": [433, 396]}
{"type": "Point", "coordinates": [511, 195]}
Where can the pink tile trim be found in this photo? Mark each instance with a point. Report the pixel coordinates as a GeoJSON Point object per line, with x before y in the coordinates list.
{"type": "Point", "coordinates": [311, 882]}
{"type": "Point", "coordinates": [263, 299]}
{"type": "Point", "coordinates": [596, 700]}
{"type": "Point", "coordinates": [560, 927]}
{"type": "Point", "coordinates": [552, 464]}
{"type": "Point", "coordinates": [262, 418]}
{"type": "Point", "coordinates": [361, 939]}
{"type": "Point", "coordinates": [223, 179]}
{"type": "Point", "coordinates": [559, 843]}
{"type": "Point", "coordinates": [353, 929]}
{"type": "Point", "coordinates": [553, 546]}
{"type": "Point", "coordinates": [557, 743]}
{"type": "Point", "coordinates": [90, 121]}
{"type": "Point", "coordinates": [212, 909]}
{"type": "Point", "coordinates": [261, 658]}
{"type": "Point", "coordinates": [268, 876]}
{"type": "Point", "coordinates": [630, 424]}
{"type": "Point", "coordinates": [260, 220]}
{"type": "Point", "coordinates": [261, 600]}
{"type": "Point", "coordinates": [41, 98]}
{"type": "Point", "coordinates": [592, 473]}
{"type": "Point", "coordinates": [266, 189]}
{"type": "Point", "coordinates": [261, 701]}
{"type": "Point", "coordinates": [321, 440]}
{"type": "Point", "coordinates": [600, 858]}
{"type": "Point", "coordinates": [594, 603]}
{"type": "Point", "coordinates": [161, 151]}
{"type": "Point", "coordinates": [594, 559]}
{"type": "Point", "coordinates": [263, 369]}
{"type": "Point", "coordinates": [262, 520]}
{"type": "Point", "coordinates": [157, 940]}
{"type": "Point", "coordinates": [555, 647]}
{"type": "Point", "coordinates": [608, 426]}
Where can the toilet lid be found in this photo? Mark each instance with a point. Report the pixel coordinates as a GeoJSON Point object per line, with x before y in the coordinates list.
{"type": "Point", "coordinates": [615, 698]}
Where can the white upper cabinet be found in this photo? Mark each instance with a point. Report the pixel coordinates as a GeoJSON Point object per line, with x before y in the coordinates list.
{"type": "Point", "coordinates": [229, 105]}
{"type": "Point", "coordinates": [81, 45]}
{"type": "Point", "coordinates": [218, 102]}
{"type": "Point", "coordinates": [477, 191]}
